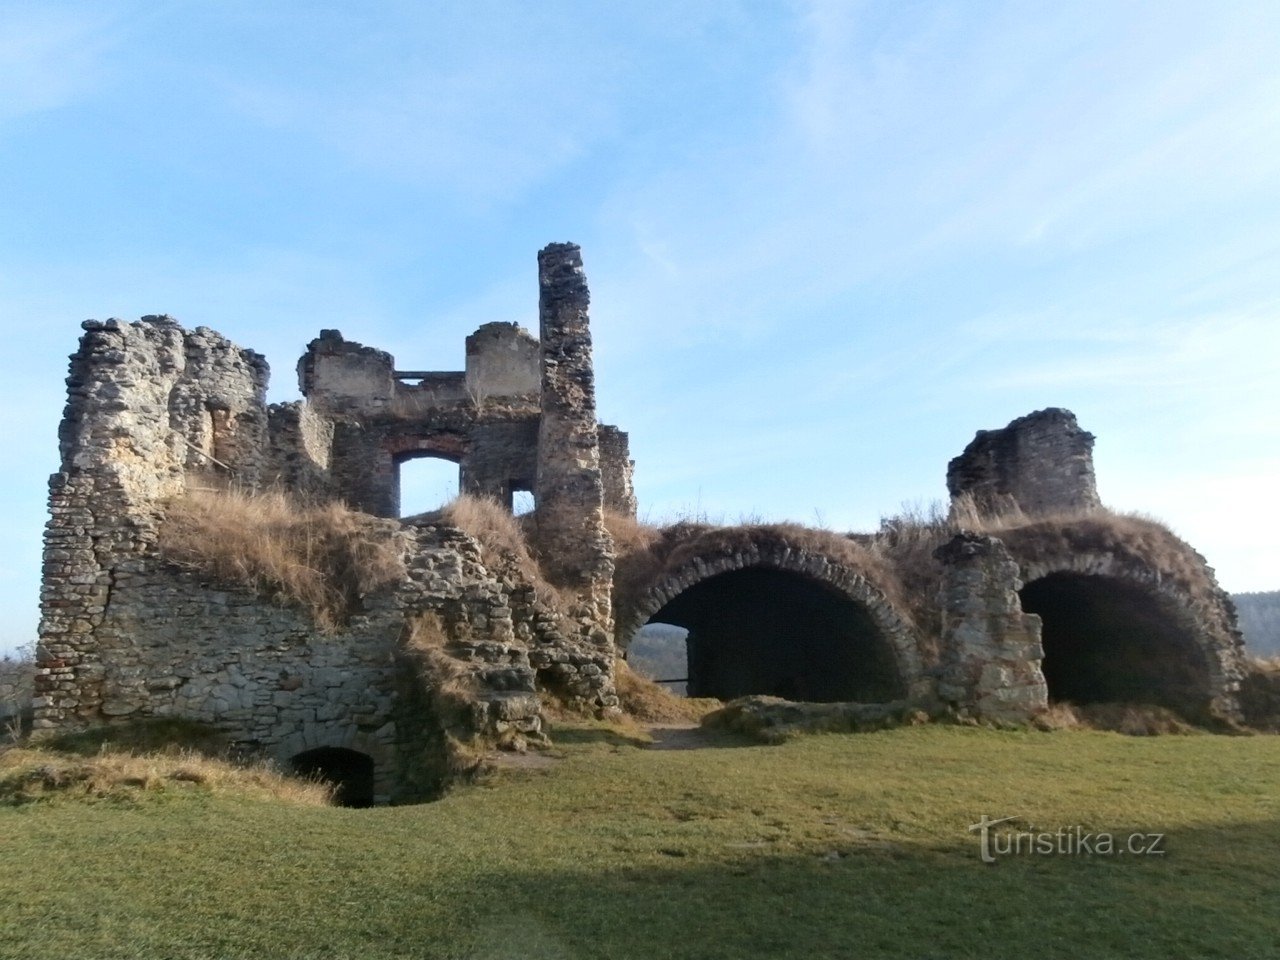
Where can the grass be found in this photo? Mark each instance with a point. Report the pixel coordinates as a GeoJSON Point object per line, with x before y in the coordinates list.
{"type": "Point", "coordinates": [826, 846]}
{"type": "Point", "coordinates": [322, 557]}
{"type": "Point", "coordinates": [502, 539]}
{"type": "Point", "coordinates": [642, 699]}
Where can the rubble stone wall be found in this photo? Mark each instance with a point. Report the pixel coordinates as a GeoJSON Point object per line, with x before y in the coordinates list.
{"type": "Point", "coordinates": [1041, 463]}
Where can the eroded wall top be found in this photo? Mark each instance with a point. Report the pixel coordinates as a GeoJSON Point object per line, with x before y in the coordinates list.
{"type": "Point", "coordinates": [1041, 463]}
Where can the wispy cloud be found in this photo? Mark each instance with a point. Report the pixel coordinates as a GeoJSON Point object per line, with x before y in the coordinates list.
{"type": "Point", "coordinates": [481, 105]}
{"type": "Point", "coordinates": [50, 56]}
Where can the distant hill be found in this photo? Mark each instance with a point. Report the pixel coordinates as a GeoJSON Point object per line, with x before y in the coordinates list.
{"type": "Point", "coordinates": [658, 652]}
{"type": "Point", "coordinates": [1260, 621]}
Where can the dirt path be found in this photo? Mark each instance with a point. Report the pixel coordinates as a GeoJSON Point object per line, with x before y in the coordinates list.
{"type": "Point", "coordinates": [679, 736]}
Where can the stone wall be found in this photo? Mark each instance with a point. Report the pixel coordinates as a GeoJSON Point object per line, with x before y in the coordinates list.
{"type": "Point", "coordinates": [1041, 463]}
{"type": "Point", "coordinates": [155, 410]}
{"type": "Point", "coordinates": [991, 650]}
{"type": "Point", "coordinates": [459, 649]}
{"type": "Point", "coordinates": [576, 550]}
{"type": "Point", "coordinates": [150, 406]}
{"type": "Point", "coordinates": [616, 470]}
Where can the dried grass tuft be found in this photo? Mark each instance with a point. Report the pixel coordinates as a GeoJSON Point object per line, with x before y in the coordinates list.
{"type": "Point", "coordinates": [502, 539]}
{"type": "Point", "coordinates": [649, 702]}
{"type": "Point", "coordinates": [325, 558]}
{"type": "Point", "coordinates": [33, 774]}
{"type": "Point", "coordinates": [1130, 719]}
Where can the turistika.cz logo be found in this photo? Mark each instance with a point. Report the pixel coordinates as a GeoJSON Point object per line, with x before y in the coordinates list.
{"type": "Point", "coordinates": [1072, 841]}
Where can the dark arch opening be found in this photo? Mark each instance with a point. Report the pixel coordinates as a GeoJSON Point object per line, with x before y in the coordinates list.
{"type": "Point", "coordinates": [424, 482]}
{"type": "Point", "coordinates": [350, 772]}
{"type": "Point", "coordinates": [766, 631]}
{"type": "Point", "coordinates": [1110, 641]}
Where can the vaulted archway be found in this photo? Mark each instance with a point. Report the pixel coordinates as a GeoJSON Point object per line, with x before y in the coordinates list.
{"type": "Point", "coordinates": [774, 619]}
{"type": "Point", "coordinates": [767, 631]}
{"type": "Point", "coordinates": [1109, 639]}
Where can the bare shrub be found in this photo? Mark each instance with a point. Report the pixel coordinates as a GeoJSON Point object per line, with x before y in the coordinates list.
{"type": "Point", "coordinates": [324, 557]}
{"type": "Point", "coordinates": [17, 687]}
{"type": "Point", "coordinates": [906, 543]}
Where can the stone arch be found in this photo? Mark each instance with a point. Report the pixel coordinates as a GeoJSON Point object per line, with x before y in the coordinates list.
{"type": "Point", "coordinates": [440, 445]}
{"type": "Point", "coordinates": [882, 623]}
{"type": "Point", "coordinates": [351, 773]}
{"type": "Point", "coordinates": [344, 737]}
{"type": "Point", "coordinates": [1117, 629]}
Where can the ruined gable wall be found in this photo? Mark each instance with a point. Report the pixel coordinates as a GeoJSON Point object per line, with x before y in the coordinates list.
{"type": "Point", "coordinates": [148, 404]}
{"type": "Point", "coordinates": [1041, 463]}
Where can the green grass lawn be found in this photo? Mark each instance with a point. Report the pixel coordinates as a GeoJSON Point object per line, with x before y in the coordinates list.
{"type": "Point", "coordinates": [827, 846]}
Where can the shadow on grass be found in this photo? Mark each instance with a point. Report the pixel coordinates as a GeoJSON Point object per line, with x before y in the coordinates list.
{"type": "Point", "coordinates": [1205, 897]}
{"type": "Point", "coordinates": [608, 735]}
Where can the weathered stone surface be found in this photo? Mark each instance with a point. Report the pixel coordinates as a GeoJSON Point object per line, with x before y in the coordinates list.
{"type": "Point", "coordinates": [991, 650]}
{"type": "Point", "coordinates": [154, 409]}
{"type": "Point", "coordinates": [1041, 463]}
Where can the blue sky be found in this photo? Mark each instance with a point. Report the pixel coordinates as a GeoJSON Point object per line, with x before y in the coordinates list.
{"type": "Point", "coordinates": [826, 241]}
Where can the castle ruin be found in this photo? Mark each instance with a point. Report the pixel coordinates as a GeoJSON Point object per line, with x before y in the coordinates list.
{"type": "Point", "coordinates": [1064, 602]}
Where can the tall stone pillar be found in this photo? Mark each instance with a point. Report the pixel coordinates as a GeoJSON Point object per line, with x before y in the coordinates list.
{"type": "Point", "coordinates": [575, 548]}
{"type": "Point", "coordinates": [991, 650]}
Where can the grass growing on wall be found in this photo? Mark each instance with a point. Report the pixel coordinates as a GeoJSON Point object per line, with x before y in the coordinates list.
{"type": "Point", "coordinates": [324, 558]}
{"type": "Point", "coordinates": [827, 846]}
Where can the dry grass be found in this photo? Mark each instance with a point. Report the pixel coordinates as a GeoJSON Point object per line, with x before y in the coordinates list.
{"type": "Point", "coordinates": [1131, 719]}
{"type": "Point", "coordinates": [324, 558]}
{"type": "Point", "coordinates": [29, 774]}
{"type": "Point", "coordinates": [502, 540]}
{"type": "Point", "coordinates": [907, 543]}
{"type": "Point", "coordinates": [1260, 694]}
{"type": "Point", "coordinates": [451, 688]}
{"type": "Point", "coordinates": [649, 702]}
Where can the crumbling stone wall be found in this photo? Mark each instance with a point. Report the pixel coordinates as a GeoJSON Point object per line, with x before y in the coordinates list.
{"type": "Point", "coordinates": [617, 470]}
{"type": "Point", "coordinates": [576, 550]}
{"type": "Point", "coordinates": [150, 406]}
{"type": "Point", "coordinates": [155, 410]}
{"type": "Point", "coordinates": [991, 650]}
{"type": "Point", "coordinates": [1041, 463]}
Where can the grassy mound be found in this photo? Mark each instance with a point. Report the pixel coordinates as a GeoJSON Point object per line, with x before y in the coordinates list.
{"type": "Point", "coordinates": [324, 558]}
{"type": "Point", "coordinates": [649, 702]}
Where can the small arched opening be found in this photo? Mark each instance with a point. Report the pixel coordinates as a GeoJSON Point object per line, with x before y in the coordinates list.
{"type": "Point", "coordinates": [1110, 640]}
{"type": "Point", "coordinates": [350, 772]}
{"type": "Point", "coordinates": [424, 482]}
{"type": "Point", "coordinates": [760, 630]}
{"type": "Point", "coordinates": [660, 652]}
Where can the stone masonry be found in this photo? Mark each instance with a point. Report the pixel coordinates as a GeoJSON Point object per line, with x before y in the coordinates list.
{"type": "Point", "coordinates": [461, 648]}
{"type": "Point", "coordinates": [1041, 463]}
{"type": "Point", "coordinates": [991, 650]}
{"type": "Point", "coordinates": [154, 410]}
